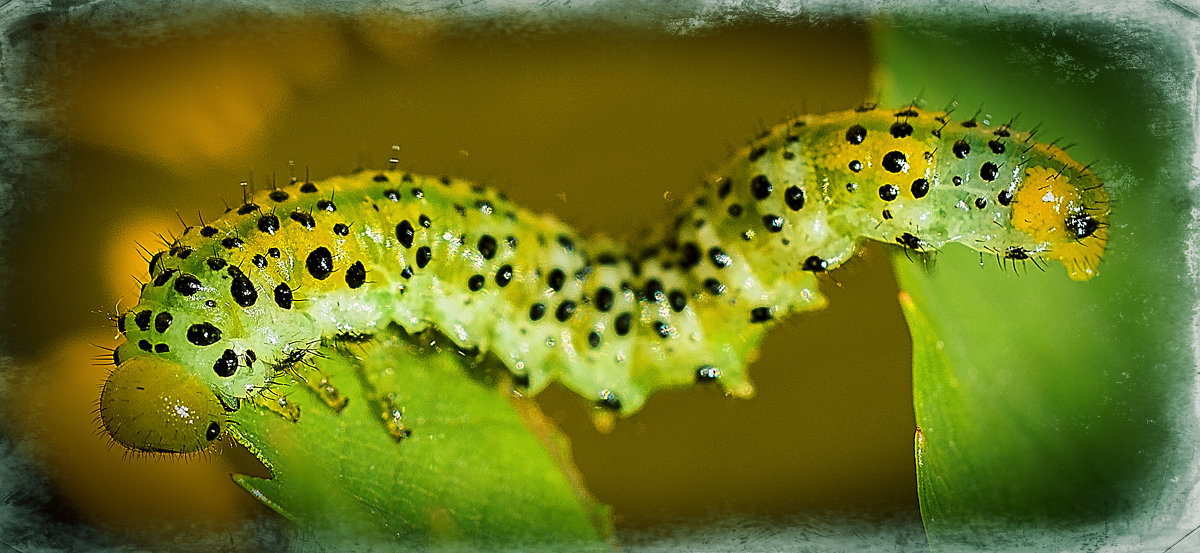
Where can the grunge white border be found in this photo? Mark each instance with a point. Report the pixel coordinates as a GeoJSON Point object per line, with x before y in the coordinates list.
{"type": "Point", "coordinates": [22, 151]}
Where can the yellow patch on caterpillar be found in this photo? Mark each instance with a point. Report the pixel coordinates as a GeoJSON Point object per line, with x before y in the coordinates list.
{"type": "Point", "coordinates": [1050, 207]}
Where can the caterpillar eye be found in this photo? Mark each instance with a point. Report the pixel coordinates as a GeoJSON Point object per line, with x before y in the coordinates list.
{"type": "Point", "coordinates": [1082, 226]}
{"type": "Point", "coordinates": [155, 405]}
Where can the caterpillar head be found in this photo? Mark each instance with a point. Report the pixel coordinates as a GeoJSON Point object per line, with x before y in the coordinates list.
{"type": "Point", "coordinates": [1067, 211]}
{"type": "Point", "coordinates": [155, 405]}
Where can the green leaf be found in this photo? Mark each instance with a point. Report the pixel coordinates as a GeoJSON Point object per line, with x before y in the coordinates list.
{"type": "Point", "coordinates": [476, 472]}
{"type": "Point", "coordinates": [1045, 405]}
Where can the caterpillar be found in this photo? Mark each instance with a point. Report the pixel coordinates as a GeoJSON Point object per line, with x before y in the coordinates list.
{"type": "Point", "coordinates": [234, 302]}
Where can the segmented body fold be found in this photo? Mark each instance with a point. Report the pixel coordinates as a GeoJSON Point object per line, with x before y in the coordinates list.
{"type": "Point", "coordinates": [235, 300]}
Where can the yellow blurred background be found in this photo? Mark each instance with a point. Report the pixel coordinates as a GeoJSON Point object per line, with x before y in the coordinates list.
{"type": "Point", "coordinates": [604, 125]}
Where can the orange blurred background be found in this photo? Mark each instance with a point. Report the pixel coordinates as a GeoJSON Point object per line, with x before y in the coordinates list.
{"type": "Point", "coordinates": [607, 126]}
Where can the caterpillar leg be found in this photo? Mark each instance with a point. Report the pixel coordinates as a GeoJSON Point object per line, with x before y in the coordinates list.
{"type": "Point", "coordinates": [389, 410]}
{"type": "Point", "coordinates": [279, 405]}
{"type": "Point", "coordinates": [392, 416]}
{"type": "Point", "coordinates": [319, 383]}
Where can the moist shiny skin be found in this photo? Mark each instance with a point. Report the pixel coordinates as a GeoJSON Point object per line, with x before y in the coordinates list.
{"type": "Point", "coordinates": [235, 300]}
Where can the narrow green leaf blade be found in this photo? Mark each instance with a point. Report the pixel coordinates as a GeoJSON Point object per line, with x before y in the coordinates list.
{"type": "Point", "coordinates": [1050, 411]}
{"type": "Point", "coordinates": [473, 473]}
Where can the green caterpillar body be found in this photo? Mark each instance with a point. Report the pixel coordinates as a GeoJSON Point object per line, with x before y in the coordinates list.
{"type": "Point", "coordinates": [234, 302]}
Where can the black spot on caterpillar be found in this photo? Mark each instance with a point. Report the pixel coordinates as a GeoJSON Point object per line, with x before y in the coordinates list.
{"type": "Point", "coordinates": [612, 322]}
